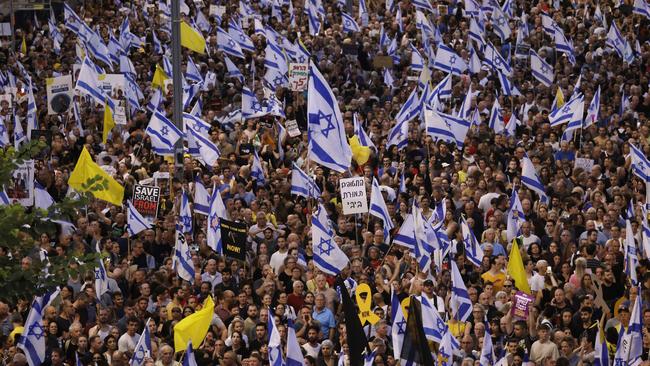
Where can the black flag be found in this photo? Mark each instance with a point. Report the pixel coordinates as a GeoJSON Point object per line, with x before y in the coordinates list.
{"type": "Point", "coordinates": [415, 348]}
{"type": "Point", "coordinates": [356, 337]}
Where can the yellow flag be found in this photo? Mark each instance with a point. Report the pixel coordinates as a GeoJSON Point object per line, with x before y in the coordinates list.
{"type": "Point", "coordinates": [360, 153]}
{"type": "Point", "coordinates": [516, 268]}
{"type": "Point", "coordinates": [159, 78]}
{"type": "Point", "coordinates": [107, 188]}
{"type": "Point", "coordinates": [194, 327]}
{"type": "Point", "coordinates": [192, 39]}
{"type": "Point", "coordinates": [23, 46]}
{"type": "Point", "coordinates": [559, 98]}
{"type": "Point", "coordinates": [109, 122]}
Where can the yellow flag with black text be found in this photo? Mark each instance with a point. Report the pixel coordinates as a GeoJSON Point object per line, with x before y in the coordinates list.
{"type": "Point", "coordinates": [87, 176]}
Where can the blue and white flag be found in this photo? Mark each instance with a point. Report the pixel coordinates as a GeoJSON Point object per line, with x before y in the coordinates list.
{"type": "Point", "coordinates": [201, 197]}
{"type": "Point", "coordinates": [448, 347]}
{"type": "Point", "coordinates": [257, 170]}
{"type": "Point", "coordinates": [567, 112]}
{"type": "Point", "coordinates": [302, 184]}
{"type": "Point", "coordinates": [232, 70]}
{"type": "Point", "coordinates": [19, 132]}
{"type": "Point", "coordinates": [410, 109]}
{"type": "Point", "coordinates": [460, 303]}
{"type": "Point", "coordinates": [541, 70]}
{"type": "Point", "coordinates": [630, 346]}
{"type": "Point", "coordinates": [378, 209]}
{"type": "Point", "coordinates": [398, 326]}
{"type": "Point", "coordinates": [294, 352]}
{"type": "Point", "coordinates": [496, 122]}
{"type": "Point", "coordinates": [4, 134]}
{"type": "Point", "coordinates": [217, 211]}
{"type": "Point", "coordinates": [275, 343]}
{"type": "Point", "coordinates": [364, 139]}
{"type": "Point", "coordinates": [328, 145]}
{"type": "Point", "coordinates": [434, 326]}
{"type": "Point", "coordinates": [42, 198]}
{"type": "Point", "coordinates": [135, 222]}
{"type": "Point", "coordinates": [531, 180]}
{"type": "Point", "coordinates": [98, 49]}
{"type": "Point", "coordinates": [500, 24]}
{"type": "Point", "coordinates": [32, 341]}
{"type": "Point", "coordinates": [575, 123]}
{"type": "Point", "coordinates": [601, 353]}
{"type": "Point", "coordinates": [548, 24]}
{"type": "Point", "coordinates": [476, 32]}
{"type": "Point", "coordinates": [238, 34]}
{"type": "Point", "coordinates": [448, 60]}
{"type": "Point", "coordinates": [564, 45]}
{"type": "Point", "coordinates": [631, 253]}
{"type": "Point", "coordinates": [439, 123]}
{"type": "Point", "coordinates": [101, 279]}
{"type": "Point", "coordinates": [193, 73]}
{"type": "Point", "coordinates": [157, 47]}
{"type": "Point", "coordinates": [615, 40]}
{"type": "Point", "coordinates": [198, 141]}
{"type": "Point", "coordinates": [473, 250]}
{"type": "Point", "coordinates": [189, 359]}
{"type": "Point", "coordinates": [640, 164]}
{"type": "Point", "coordinates": [185, 215]}
{"type": "Point", "coordinates": [251, 107]}
{"type": "Point", "coordinates": [645, 232]}
{"type": "Point", "coordinates": [154, 101]}
{"type": "Point", "coordinates": [228, 45]}
{"type": "Point", "coordinates": [349, 24]}
{"type": "Point", "coordinates": [423, 248]}
{"type": "Point", "coordinates": [424, 5]}
{"type": "Point", "coordinates": [4, 199]}
{"type": "Point", "coordinates": [641, 7]}
{"type": "Point", "coordinates": [88, 83]}
{"type": "Point", "coordinates": [369, 358]}
{"type": "Point", "coordinates": [515, 217]}
{"type": "Point", "coordinates": [593, 110]}
{"type": "Point", "coordinates": [488, 357]}
{"type": "Point", "coordinates": [143, 347]}
{"type": "Point", "coordinates": [472, 8]}
{"type": "Point", "coordinates": [495, 60]}
{"type": "Point", "coordinates": [328, 257]}
{"type": "Point", "coordinates": [32, 123]}
{"type": "Point", "coordinates": [182, 259]}
{"type": "Point", "coordinates": [417, 62]}
{"type": "Point", "coordinates": [163, 134]}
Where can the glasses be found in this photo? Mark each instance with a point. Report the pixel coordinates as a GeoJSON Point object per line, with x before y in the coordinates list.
{"type": "Point", "coordinates": [507, 285]}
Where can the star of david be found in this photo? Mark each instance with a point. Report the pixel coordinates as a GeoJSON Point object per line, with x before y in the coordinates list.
{"type": "Point", "coordinates": [545, 69]}
{"type": "Point", "coordinates": [278, 80]}
{"type": "Point", "coordinates": [566, 109]}
{"type": "Point", "coordinates": [186, 221]}
{"type": "Point", "coordinates": [213, 221]}
{"type": "Point", "coordinates": [452, 60]}
{"type": "Point", "coordinates": [36, 330]}
{"type": "Point", "coordinates": [500, 21]}
{"type": "Point", "coordinates": [401, 327]}
{"type": "Point", "coordinates": [198, 145]}
{"type": "Point", "coordinates": [98, 274]}
{"type": "Point", "coordinates": [441, 325]}
{"type": "Point", "coordinates": [640, 165]}
{"type": "Point", "coordinates": [444, 354]}
{"type": "Point", "coordinates": [242, 37]}
{"type": "Point", "coordinates": [348, 23]}
{"type": "Point", "coordinates": [164, 131]}
{"type": "Point", "coordinates": [301, 59]}
{"type": "Point", "coordinates": [138, 357]}
{"type": "Point", "coordinates": [231, 43]}
{"type": "Point", "coordinates": [316, 119]}
{"type": "Point", "coordinates": [256, 106]}
{"type": "Point", "coordinates": [188, 255]}
{"type": "Point", "coordinates": [325, 246]}
{"type": "Point", "coordinates": [497, 61]}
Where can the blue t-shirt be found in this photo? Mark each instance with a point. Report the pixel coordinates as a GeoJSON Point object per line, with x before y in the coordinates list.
{"type": "Point", "coordinates": [326, 320]}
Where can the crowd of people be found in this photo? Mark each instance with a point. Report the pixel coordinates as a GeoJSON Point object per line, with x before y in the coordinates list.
{"type": "Point", "coordinates": [572, 244]}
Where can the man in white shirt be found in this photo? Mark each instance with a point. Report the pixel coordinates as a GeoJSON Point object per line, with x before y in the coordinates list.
{"type": "Point", "coordinates": [129, 340]}
{"type": "Point", "coordinates": [277, 258]}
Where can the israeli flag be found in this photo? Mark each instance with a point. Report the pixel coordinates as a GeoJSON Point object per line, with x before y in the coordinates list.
{"type": "Point", "coordinates": [601, 353]}
{"type": "Point", "coordinates": [201, 197]}
{"type": "Point", "coordinates": [640, 164]}
{"type": "Point", "coordinates": [641, 7]}
{"type": "Point", "coordinates": [566, 113]}
{"type": "Point", "coordinates": [101, 280]}
{"type": "Point", "coordinates": [460, 303]}
{"type": "Point", "coordinates": [154, 101]}
{"type": "Point", "coordinates": [185, 215]}
{"type": "Point", "coordinates": [328, 257]}
{"type": "Point", "coordinates": [126, 66]}
{"type": "Point", "coordinates": [434, 327]}
{"type": "Point", "coordinates": [228, 45]}
{"type": "Point", "coordinates": [251, 107]}
{"type": "Point", "coordinates": [19, 133]}
{"type": "Point", "coordinates": [448, 60]}
{"type": "Point", "coordinates": [515, 217]}
{"type": "Point", "coordinates": [476, 33]}
{"type": "Point", "coordinates": [531, 180]}
{"type": "Point", "coordinates": [488, 357]}
{"type": "Point", "coordinates": [157, 46]}
{"type": "Point", "coordinates": [410, 109]}
{"type": "Point", "coordinates": [575, 123]}
{"type": "Point", "coordinates": [506, 86]}
{"type": "Point", "coordinates": [473, 250]}
{"type": "Point", "coordinates": [541, 70]}
{"type": "Point", "coordinates": [182, 259]}
{"type": "Point", "coordinates": [32, 341]}
{"type": "Point", "coordinates": [631, 256]}
{"type": "Point", "coordinates": [630, 346]}
{"type": "Point", "coordinates": [163, 134]}
{"type": "Point", "coordinates": [302, 54]}
{"type": "Point", "coordinates": [4, 134]}
{"type": "Point", "coordinates": [217, 211]}
{"type": "Point", "coordinates": [364, 139]}
{"type": "Point", "coordinates": [189, 359]}
{"type": "Point", "coordinates": [562, 44]}
{"type": "Point", "coordinates": [294, 353]}
{"type": "Point", "coordinates": [500, 24]}
{"type": "Point", "coordinates": [328, 145]}
{"type": "Point", "coordinates": [238, 34]}
{"type": "Point", "coordinates": [135, 223]}
{"type": "Point", "coordinates": [143, 347]}
{"type": "Point", "coordinates": [302, 184]}
{"type": "Point", "coordinates": [548, 24]}
{"type": "Point", "coordinates": [423, 247]}
{"type": "Point", "coordinates": [495, 60]}
{"type": "Point", "coordinates": [398, 135]}
{"type": "Point", "coordinates": [232, 70]}
{"type": "Point", "coordinates": [275, 343]}
{"type": "Point", "coordinates": [313, 17]}
{"type": "Point", "coordinates": [378, 209]}
{"type": "Point", "coordinates": [417, 62]}
{"type": "Point", "coordinates": [197, 139]}
{"type": "Point", "coordinates": [193, 73]}
{"type": "Point", "coordinates": [594, 109]}
{"type": "Point", "coordinates": [645, 231]}
{"type": "Point", "coordinates": [388, 79]}
{"type": "Point", "coordinates": [398, 326]}
{"type": "Point", "coordinates": [88, 83]}
{"type": "Point", "coordinates": [439, 123]}
{"type": "Point", "coordinates": [496, 122]}
{"type": "Point", "coordinates": [32, 123]}
{"type": "Point", "coordinates": [615, 40]}
{"type": "Point", "coordinates": [42, 198]}
{"type": "Point", "coordinates": [257, 170]}
{"type": "Point", "coordinates": [274, 106]}
{"type": "Point", "coordinates": [349, 24]}
{"type": "Point", "coordinates": [424, 5]}
{"type": "Point", "coordinates": [392, 50]}
{"type": "Point", "coordinates": [98, 49]}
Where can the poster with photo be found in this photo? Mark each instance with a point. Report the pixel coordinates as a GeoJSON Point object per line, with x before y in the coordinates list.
{"type": "Point", "coordinates": [59, 94]}
{"type": "Point", "coordinates": [21, 186]}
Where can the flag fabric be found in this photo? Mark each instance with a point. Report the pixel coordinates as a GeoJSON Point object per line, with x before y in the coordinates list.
{"type": "Point", "coordinates": [448, 60]}
{"type": "Point", "coordinates": [159, 77]}
{"type": "Point", "coordinates": [641, 7]}
{"type": "Point", "coordinates": [515, 217]}
{"type": "Point", "coordinates": [496, 122]}
{"type": "Point", "coordinates": [32, 341]}
{"type": "Point", "coordinates": [163, 133]}
{"type": "Point", "coordinates": [32, 123]}
{"type": "Point", "coordinates": [257, 170]}
{"type": "Point", "coordinates": [275, 343]}
{"type": "Point", "coordinates": [433, 325]}
{"type": "Point", "coordinates": [193, 73]}
{"type": "Point", "coordinates": [101, 279]}
{"type": "Point", "coordinates": [185, 215]}
{"type": "Point", "coordinates": [143, 347]}
{"type": "Point", "coordinates": [4, 134]}
{"type": "Point", "coordinates": [645, 232]}
{"type": "Point", "coordinates": [601, 353]}
{"type": "Point", "coordinates": [495, 60]}
{"type": "Point", "coordinates": [42, 199]}
{"type": "Point", "coordinates": [189, 359]}
{"type": "Point", "coordinates": [541, 70]}
{"type": "Point", "coordinates": [500, 24]}
{"type": "Point", "coordinates": [19, 132]}
{"type": "Point", "coordinates": [201, 197]}
{"type": "Point", "coordinates": [564, 45]}
{"type": "Point", "coordinates": [328, 257]}
{"type": "Point", "coordinates": [516, 269]}
{"type": "Point", "coordinates": [530, 178]}
{"type": "Point", "coordinates": [488, 358]}
{"type": "Point", "coordinates": [398, 325]}
{"type": "Point", "coordinates": [88, 83]}
{"type": "Point", "coordinates": [423, 248]}
{"type": "Point", "coordinates": [328, 145]}
{"type": "Point", "coordinates": [109, 122]}
{"type": "Point", "coordinates": [415, 350]}
{"type": "Point", "coordinates": [378, 209]}
{"type": "Point", "coordinates": [575, 122]}
{"type": "Point", "coordinates": [217, 211]}
{"type": "Point", "coordinates": [232, 70]}
{"type": "Point", "coordinates": [250, 105]}
{"type": "Point", "coordinates": [107, 188]}
{"type": "Point", "coordinates": [135, 222]}
{"type": "Point", "coordinates": [228, 45]}
{"type": "Point", "coordinates": [417, 62]}
{"type": "Point", "coordinates": [357, 341]}
{"type": "Point", "coordinates": [640, 164]}
{"type": "Point", "coordinates": [593, 110]}
{"type": "Point", "coordinates": [630, 346]}
{"type": "Point", "coordinates": [567, 112]}
{"type": "Point", "coordinates": [349, 24]}
{"type": "Point", "coordinates": [197, 138]}
{"type": "Point", "coordinates": [615, 40]}
{"type": "Point", "coordinates": [194, 327]}
{"type": "Point", "coordinates": [191, 38]}
{"type": "Point", "coordinates": [460, 303]}
{"type": "Point", "coordinates": [364, 139]}
{"type": "Point", "coordinates": [630, 253]}
{"type": "Point", "coordinates": [424, 5]}
{"type": "Point", "coordinates": [473, 250]}
{"type": "Point", "coordinates": [294, 353]}
{"type": "Point", "coordinates": [302, 184]}
{"type": "Point", "coordinates": [237, 33]}
{"type": "Point", "coordinates": [182, 258]}
{"type": "Point", "coordinates": [447, 127]}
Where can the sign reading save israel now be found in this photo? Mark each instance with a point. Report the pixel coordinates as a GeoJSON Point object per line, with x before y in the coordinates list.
{"type": "Point", "coordinates": [233, 237]}
{"type": "Point", "coordinates": [353, 195]}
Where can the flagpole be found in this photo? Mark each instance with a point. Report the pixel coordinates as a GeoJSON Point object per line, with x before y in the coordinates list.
{"type": "Point", "coordinates": [177, 83]}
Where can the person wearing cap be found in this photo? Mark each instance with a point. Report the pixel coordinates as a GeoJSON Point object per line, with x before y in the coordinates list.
{"type": "Point", "coordinates": [432, 297]}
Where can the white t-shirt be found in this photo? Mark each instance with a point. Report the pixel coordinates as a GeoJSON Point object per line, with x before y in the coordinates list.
{"type": "Point", "coordinates": [536, 282]}
{"type": "Point", "coordinates": [277, 261]}
{"type": "Point", "coordinates": [311, 351]}
{"type": "Point", "coordinates": [126, 343]}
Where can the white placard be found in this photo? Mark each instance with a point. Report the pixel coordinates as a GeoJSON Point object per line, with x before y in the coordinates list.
{"type": "Point", "coordinates": [119, 115]}
{"type": "Point", "coordinates": [113, 85]}
{"type": "Point", "coordinates": [217, 10]}
{"type": "Point", "coordinates": [584, 163]}
{"type": "Point", "coordinates": [21, 186]}
{"type": "Point", "coordinates": [298, 76]}
{"type": "Point", "coordinates": [59, 94]}
{"type": "Point", "coordinates": [353, 195]}
{"type": "Point", "coordinates": [292, 128]}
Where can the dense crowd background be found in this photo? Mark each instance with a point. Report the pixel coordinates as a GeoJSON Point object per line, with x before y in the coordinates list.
{"type": "Point", "coordinates": [572, 245]}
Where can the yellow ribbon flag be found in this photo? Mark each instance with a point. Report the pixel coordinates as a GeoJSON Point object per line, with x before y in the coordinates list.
{"type": "Point", "coordinates": [109, 122]}
{"type": "Point", "coordinates": [360, 153]}
{"type": "Point", "coordinates": [559, 98]}
{"type": "Point", "coordinates": [159, 78]}
{"type": "Point", "coordinates": [194, 327]}
{"type": "Point", "coordinates": [103, 187]}
{"type": "Point", "coordinates": [516, 268]}
{"type": "Point", "coordinates": [191, 38]}
{"type": "Point", "coordinates": [23, 46]}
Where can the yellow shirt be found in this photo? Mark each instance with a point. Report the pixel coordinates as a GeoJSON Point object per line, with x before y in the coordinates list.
{"type": "Point", "coordinates": [497, 280]}
{"type": "Point", "coordinates": [457, 328]}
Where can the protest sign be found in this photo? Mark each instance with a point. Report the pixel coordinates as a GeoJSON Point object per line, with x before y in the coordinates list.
{"type": "Point", "coordinates": [233, 236]}
{"type": "Point", "coordinates": [21, 186]}
{"type": "Point", "coordinates": [353, 195]}
{"type": "Point", "coordinates": [298, 76]}
{"type": "Point", "coordinates": [145, 200]}
{"type": "Point", "coordinates": [292, 128]}
{"type": "Point", "coordinates": [59, 94]}
{"type": "Point", "coordinates": [521, 307]}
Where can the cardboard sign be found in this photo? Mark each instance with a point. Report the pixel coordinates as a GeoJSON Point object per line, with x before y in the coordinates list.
{"type": "Point", "coordinates": [354, 196]}
{"type": "Point", "coordinates": [522, 304]}
{"type": "Point", "coordinates": [298, 76]}
{"type": "Point", "coordinates": [380, 62]}
{"type": "Point", "coordinates": [21, 187]}
{"type": "Point", "coordinates": [119, 114]}
{"type": "Point", "coordinates": [113, 85]}
{"type": "Point", "coordinates": [292, 128]}
{"type": "Point", "coordinates": [217, 10]}
{"type": "Point", "coordinates": [59, 94]}
{"type": "Point", "coordinates": [586, 164]}
{"type": "Point", "coordinates": [145, 200]}
{"type": "Point", "coordinates": [233, 236]}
